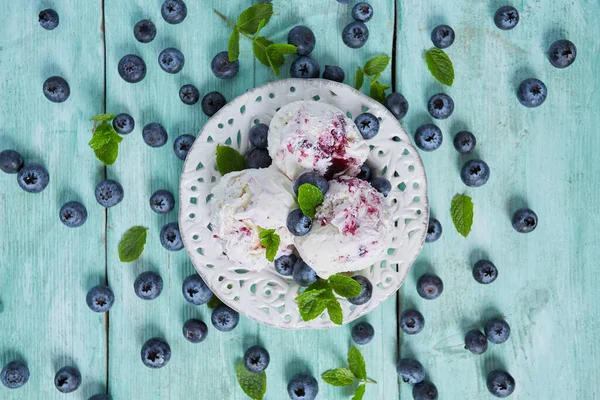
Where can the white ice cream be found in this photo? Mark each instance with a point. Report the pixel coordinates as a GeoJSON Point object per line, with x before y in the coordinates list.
{"type": "Point", "coordinates": [314, 136]}
{"type": "Point", "coordinates": [244, 201]}
{"type": "Point", "coordinates": [351, 230]}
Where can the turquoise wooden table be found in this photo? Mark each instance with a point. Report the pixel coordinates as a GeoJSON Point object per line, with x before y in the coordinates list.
{"type": "Point", "coordinates": [544, 158]}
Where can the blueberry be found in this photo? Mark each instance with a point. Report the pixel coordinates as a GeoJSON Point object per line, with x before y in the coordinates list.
{"type": "Point", "coordinates": [171, 60]}
{"type": "Point", "coordinates": [382, 185]}
{"type": "Point", "coordinates": [506, 17]}
{"type": "Point", "coordinates": [298, 224]}
{"type": "Point", "coordinates": [476, 342]}
{"type": "Point", "coordinates": [475, 173]}
{"type": "Point", "coordinates": [396, 104]}
{"type": "Point", "coordinates": [73, 214]}
{"type": "Point", "coordinates": [434, 230]}
{"type": "Point", "coordinates": [148, 285]}
{"type": "Point", "coordinates": [428, 137]}
{"type": "Point", "coordinates": [362, 333]}
{"type": "Point", "coordinates": [532, 93]}
{"type": "Point", "coordinates": [334, 73]}
{"type": "Point", "coordinates": [303, 38]}
{"type": "Point", "coordinates": [497, 331]}
{"type": "Point", "coordinates": [67, 379]}
{"type": "Point", "coordinates": [412, 322]}
{"type": "Point", "coordinates": [100, 299]}
{"type": "Point", "coordinates": [303, 387]}
{"type": "Point", "coordinates": [440, 106]}
{"type": "Point", "coordinates": [109, 193]}
{"type": "Point", "coordinates": [500, 383]}
{"type": "Point", "coordinates": [425, 391]}
{"type": "Point", "coordinates": [258, 158]}
{"type": "Point", "coordinates": [224, 319]}
{"type": "Point", "coordinates": [11, 161]}
{"type": "Point", "coordinates": [312, 178]}
{"type": "Point", "coordinates": [365, 172]}
{"type": "Point", "coordinates": [182, 145]}
{"type": "Point", "coordinates": [562, 53]}
{"type": "Point", "coordinates": [194, 330]}
{"type": "Point", "coordinates": [123, 124]}
{"type": "Point", "coordinates": [213, 102]}
{"type": "Point", "coordinates": [303, 274]}
{"type": "Point", "coordinates": [485, 272]}
{"type": "Point", "coordinates": [368, 125]}
{"type": "Point", "coordinates": [410, 370]}
{"type": "Point", "coordinates": [14, 374]}
{"type": "Point", "coordinates": [100, 396]}
{"type": "Point", "coordinates": [442, 36]}
{"type": "Point", "coordinates": [189, 94]}
{"type": "Point", "coordinates": [132, 68]}
{"type": "Point", "coordinates": [195, 290]}
{"type": "Point", "coordinates": [362, 12]}
{"type": "Point", "coordinates": [144, 31]}
{"type": "Point", "coordinates": [173, 11]}
{"type": "Point", "coordinates": [48, 19]}
{"type": "Point", "coordinates": [355, 35]}
{"type": "Point", "coordinates": [223, 68]}
{"type": "Point", "coordinates": [155, 135]}
{"type": "Point", "coordinates": [162, 201]}
{"type": "Point", "coordinates": [284, 265]}
{"type": "Point", "coordinates": [170, 238]}
{"type": "Point", "coordinates": [365, 293]}
{"type": "Point", "coordinates": [259, 135]}
{"type": "Point", "coordinates": [305, 67]}
{"type": "Point", "coordinates": [155, 353]}
{"type": "Point", "coordinates": [56, 89]}
{"type": "Point", "coordinates": [256, 359]}
{"type": "Point", "coordinates": [524, 220]}
{"type": "Point", "coordinates": [430, 286]}
{"type": "Point", "coordinates": [33, 178]}
{"type": "Point", "coordinates": [464, 142]}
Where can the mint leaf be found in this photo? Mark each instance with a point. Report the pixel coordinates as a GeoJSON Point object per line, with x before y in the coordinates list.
{"type": "Point", "coordinates": [275, 59]}
{"type": "Point", "coordinates": [309, 198]}
{"type": "Point", "coordinates": [261, 25]}
{"type": "Point", "coordinates": [359, 393]}
{"type": "Point", "coordinates": [359, 79]}
{"type": "Point", "coordinates": [376, 65]}
{"type": "Point", "coordinates": [233, 49]}
{"type": "Point", "coordinates": [377, 91]}
{"type": "Point", "coordinates": [102, 117]}
{"type": "Point", "coordinates": [107, 153]}
{"type": "Point", "coordinates": [440, 66]}
{"type": "Point", "coordinates": [311, 304]}
{"type": "Point", "coordinates": [334, 309]}
{"type": "Point", "coordinates": [229, 160]}
{"type": "Point", "coordinates": [270, 240]}
{"type": "Point", "coordinates": [254, 385]}
{"type": "Point", "coordinates": [283, 48]}
{"type": "Point", "coordinates": [132, 244]}
{"type": "Point", "coordinates": [344, 285]}
{"type": "Point", "coordinates": [338, 377]}
{"type": "Point", "coordinates": [356, 362]}
{"type": "Point", "coordinates": [214, 302]}
{"type": "Point", "coordinates": [105, 141]}
{"type": "Point", "coordinates": [250, 18]}
{"type": "Point", "coordinates": [102, 136]}
{"type": "Point", "coordinates": [259, 47]}
{"type": "Point", "coordinates": [462, 213]}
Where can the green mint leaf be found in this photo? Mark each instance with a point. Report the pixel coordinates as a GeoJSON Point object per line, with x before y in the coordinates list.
{"type": "Point", "coordinates": [345, 286]}
{"type": "Point", "coordinates": [105, 143]}
{"type": "Point", "coordinates": [359, 393]}
{"type": "Point", "coordinates": [259, 47]}
{"type": "Point", "coordinates": [132, 244]}
{"type": "Point", "coordinates": [270, 240]}
{"type": "Point", "coordinates": [254, 385]}
{"type": "Point", "coordinates": [229, 160]}
{"type": "Point", "coordinates": [462, 213]}
{"type": "Point", "coordinates": [263, 233]}
{"type": "Point", "coordinates": [233, 50]}
{"type": "Point", "coordinates": [359, 79]}
{"type": "Point", "coordinates": [102, 117]}
{"type": "Point", "coordinates": [275, 58]}
{"type": "Point", "coordinates": [377, 91]}
{"type": "Point", "coordinates": [107, 153]}
{"type": "Point", "coordinates": [338, 377]}
{"type": "Point", "coordinates": [318, 285]}
{"type": "Point", "coordinates": [261, 25]}
{"type": "Point", "coordinates": [102, 136]}
{"type": "Point", "coordinates": [309, 198]}
{"type": "Point", "coordinates": [356, 362]}
{"type": "Point", "coordinates": [334, 309]}
{"type": "Point", "coordinates": [376, 65]}
{"type": "Point", "coordinates": [214, 302]}
{"type": "Point", "coordinates": [440, 66]}
{"type": "Point", "coordinates": [283, 48]}
{"type": "Point", "coordinates": [311, 304]}
{"type": "Point", "coordinates": [250, 18]}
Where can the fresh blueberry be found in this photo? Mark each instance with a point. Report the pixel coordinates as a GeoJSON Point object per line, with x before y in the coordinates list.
{"type": "Point", "coordinates": [109, 193]}
{"type": "Point", "coordinates": [224, 319]}
{"type": "Point", "coordinates": [303, 38]}
{"type": "Point", "coordinates": [562, 53]}
{"type": "Point", "coordinates": [258, 158]}
{"type": "Point", "coordinates": [311, 178]}
{"type": "Point", "coordinates": [476, 342]}
{"type": "Point", "coordinates": [194, 330]}
{"type": "Point", "coordinates": [355, 35]}
{"type": "Point", "coordinates": [123, 124]}
{"type": "Point", "coordinates": [464, 142]}
{"type": "Point", "coordinates": [434, 230]}
{"type": "Point", "coordinates": [365, 172]}
{"type": "Point", "coordinates": [440, 106]}
{"type": "Point", "coordinates": [144, 31]}
{"type": "Point", "coordinates": [428, 137]}
{"type": "Point", "coordinates": [259, 135]}
{"type": "Point", "coordinates": [223, 68]}
{"type": "Point", "coordinates": [100, 396]}
{"type": "Point", "coordinates": [148, 285]}
{"type": "Point", "coordinates": [100, 299]}
{"type": "Point", "coordinates": [182, 145]}
{"type": "Point", "coordinates": [73, 214]}
{"type": "Point", "coordinates": [382, 185]}
{"type": "Point", "coordinates": [284, 265]}
{"type": "Point", "coordinates": [532, 93]}
{"type": "Point", "coordinates": [410, 370]}
{"type": "Point", "coordinates": [298, 224]}
{"type": "Point", "coordinates": [189, 94]}
{"type": "Point", "coordinates": [506, 17]}
{"type": "Point", "coordinates": [213, 102]}
{"type": "Point", "coordinates": [67, 379]}
{"type": "Point", "coordinates": [500, 383]}
{"type": "Point", "coordinates": [155, 135]}
{"type": "Point", "coordinates": [362, 12]}
{"type": "Point", "coordinates": [11, 161]}
{"type": "Point", "coordinates": [412, 322]}
{"type": "Point", "coordinates": [170, 238]}
{"type": "Point", "coordinates": [171, 60]}
{"type": "Point", "coordinates": [173, 11]}
{"type": "Point", "coordinates": [195, 290]}
{"type": "Point", "coordinates": [33, 178]}
{"type": "Point", "coordinates": [303, 387]}
{"type": "Point", "coordinates": [14, 374]}
{"type": "Point", "coordinates": [524, 220]}
{"type": "Point", "coordinates": [48, 19]}
{"type": "Point", "coordinates": [162, 201]}
{"type": "Point", "coordinates": [334, 73]}
{"type": "Point", "coordinates": [56, 89]}
{"type": "Point", "coordinates": [256, 359]}
{"type": "Point", "coordinates": [497, 331]}
{"type": "Point", "coordinates": [475, 173]}
{"type": "Point", "coordinates": [303, 274]}
{"type": "Point", "coordinates": [362, 333]}
{"type": "Point", "coordinates": [155, 353]}
{"type": "Point", "coordinates": [365, 293]}
{"type": "Point", "coordinates": [442, 36]}
{"type": "Point", "coordinates": [430, 286]}
{"type": "Point", "coordinates": [485, 272]}
{"type": "Point", "coordinates": [368, 125]}
{"type": "Point", "coordinates": [396, 103]}
{"type": "Point", "coordinates": [305, 67]}
{"type": "Point", "coordinates": [425, 391]}
{"type": "Point", "coordinates": [132, 68]}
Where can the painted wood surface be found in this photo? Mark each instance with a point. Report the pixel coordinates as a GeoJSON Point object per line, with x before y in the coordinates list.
{"type": "Point", "coordinates": [543, 158]}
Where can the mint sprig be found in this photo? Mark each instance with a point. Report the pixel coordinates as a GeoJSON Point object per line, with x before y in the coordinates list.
{"type": "Point", "coordinates": [270, 241]}
{"type": "Point", "coordinates": [105, 140]}
{"type": "Point", "coordinates": [229, 160]}
{"type": "Point", "coordinates": [254, 385]}
{"type": "Point", "coordinates": [309, 198]}
{"type": "Point", "coordinates": [373, 70]}
{"type": "Point", "coordinates": [132, 244]}
{"type": "Point", "coordinates": [356, 372]}
{"type": "Point", "coordinates": [461, 210]}
{"type": "Point", "coordinates": [440, 66]}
